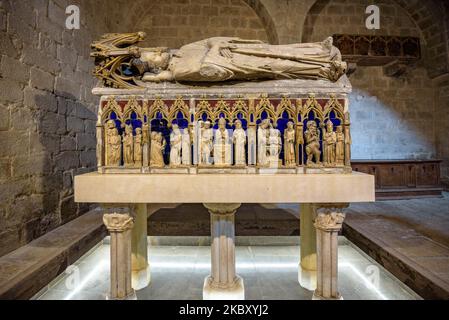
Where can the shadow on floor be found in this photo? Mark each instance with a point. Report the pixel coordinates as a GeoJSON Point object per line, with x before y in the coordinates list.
{"type": "Point", "coordinates": [250, 220]}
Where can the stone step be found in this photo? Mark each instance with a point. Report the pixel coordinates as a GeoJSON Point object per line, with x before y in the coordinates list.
{"type": "Point", "coordinates": [414, 258]}
{"type": "Point", "coordinates": [28, 269]}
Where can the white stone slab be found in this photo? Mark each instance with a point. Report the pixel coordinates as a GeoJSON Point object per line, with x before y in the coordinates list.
{"type": "Point", "coordinates": [224, 188]}
{"type": "Point", "coordinates": [229, 89]}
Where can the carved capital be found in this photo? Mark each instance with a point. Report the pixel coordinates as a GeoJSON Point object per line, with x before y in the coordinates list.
{"type": "Point", "coordinates": [117, 222]}
{"type": "Point", "coordinates": [222, 208]}
{"type": "Point", "coordinates": [329, 217]}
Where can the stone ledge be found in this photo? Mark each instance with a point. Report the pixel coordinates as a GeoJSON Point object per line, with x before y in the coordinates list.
{"type": "Point", "coordinates": [28, 269]}
{"type": "Point", "coordinates": [232, 89]}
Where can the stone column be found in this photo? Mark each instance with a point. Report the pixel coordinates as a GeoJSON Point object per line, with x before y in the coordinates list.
{"type": "Point", "coordinates": [307, 265]}
{"type": "Point", "coordinates": [328, 222]}
{"type": "Point", "coordinates": [223, 283]}
{"type": "Point", "coordinates": [139, 249]}
{"type": "Point", "coordinates": [100, 147]}
{"type": "Point", "coordinates": [252, 145]}
{"type": "Point", "coordinates": [146, 131]}
{"type": "Point", "coordinates": [119, 223]}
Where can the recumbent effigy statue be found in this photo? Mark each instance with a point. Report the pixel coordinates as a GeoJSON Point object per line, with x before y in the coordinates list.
{"type": "Point", "coordinates": [221, 104]}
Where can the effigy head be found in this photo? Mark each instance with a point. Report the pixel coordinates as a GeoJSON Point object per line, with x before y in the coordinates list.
{"type": "Point", "coordinates": [238, 124]}
{"type": "Point", "coordinates": [330, 125]}
{"type": "Point", "coordinates": [157, 59]}
{"type": "Point", "coordinates": [290, 125]}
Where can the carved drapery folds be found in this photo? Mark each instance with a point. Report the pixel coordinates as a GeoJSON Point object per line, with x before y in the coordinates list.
{"type": "Point", "coordinates": [266, 132]}
{"type": "Point", "coordinates": [120, 63]}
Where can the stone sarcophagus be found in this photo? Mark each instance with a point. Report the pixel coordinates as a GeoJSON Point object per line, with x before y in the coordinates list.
{"type": "Point", "coordinates": [151, 121]}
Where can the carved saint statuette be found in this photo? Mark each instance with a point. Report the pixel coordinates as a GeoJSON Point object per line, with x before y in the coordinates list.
{"type": "Point", "coordinates": [289, 145]}
{"type": "Point", "coordinates": [175, 145]}
{"type": "Point", "coordinates": [138, 142]}
{"type": "Point", "coordinates": [239, 139]}
{"type": "Point", "coordinates": [312, 144]}
{"type": "Point", "coordinates": [222, 146]}
{"type": "Point", "coordinates": [113, 144]}
{"type": "Point", "coordinates": [275, 145]}
{"type": "Point", "coordinates": [186, 148]}
{"type": "Point", "coordinates": [329, 142]}
{"type": "Point", "coordinates": [128, 146]}
{"type": "Point", "coordinates": [340, 147]}
{"type": "Point", "coordinates": [206, 145]}
{"type": "Point", "coordinates": [262, 142]}
{"type": "Point", "coordinates": [157, 150]}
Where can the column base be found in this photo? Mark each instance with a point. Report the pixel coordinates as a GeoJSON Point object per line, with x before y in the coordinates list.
{"type": "Point", "coordinates": [307, 278]}
{"type": "Point", "coordinates": [141, 279]}
{"type": "Point", "coordinates": [318, 297]}
{"type": "Point", "coordinates": [236, 292]}
{"type": "Point", "coordinates": [131, 296]}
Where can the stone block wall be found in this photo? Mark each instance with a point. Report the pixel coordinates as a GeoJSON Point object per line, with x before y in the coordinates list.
{"type": "Point", "coordinates": [173, 23]}
{"type": "Point", "coordinates": [392, 117]}
{"type": "Point", "coordinates": [442, 125]}
{"type": "Point", "coordinates": [47, 118]}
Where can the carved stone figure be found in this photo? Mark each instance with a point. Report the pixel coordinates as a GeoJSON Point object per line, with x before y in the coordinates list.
{"type": "Point", "coordinates": [186, 148]}
{"type": "Point", "coordinates": [222, 145]}
{"type": "Point", "coordinates": [158, 144]}
{"type": "Point", "coordinates": [329, 142]}
{"type": "Point", "coordinates": [289, 145]}
{"type": "Point", "coordinates": [262, 142]}
{"type": "Point", "coordinates": [348, 140]}
{"type": "Point", "coordinates": [145, 145]}
{"type": "Point", "coordinates": [128, 146]}
{"type": "Point", "coordinates": [206, 144]}
{"type": "Point", "coordinates": [312, 144]}
{"type": "Point", "coordinates": [145, 133]}
{"type": "Point", "coordinates": [138, 141]}
{"type": "Point", "coordinates": [239, 139]}
{"type": "Point", "coordinates": [275, 145]}
{"type": "Point", "coordinates": [340, 147]}
{"type": "Point", "coordinates": [224, 58]}
{"type": "Point", "coordinates": [175, 146]}
{"type": "Point", "coordinates": [113, 144]}
{"type": "Point", "coordinates": [214, 59]}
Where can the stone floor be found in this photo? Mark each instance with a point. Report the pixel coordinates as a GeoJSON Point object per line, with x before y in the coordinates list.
{"type": "Point", "coordinates": [409, 237]}
{"type": "Point", "coordinates": [269, 270]}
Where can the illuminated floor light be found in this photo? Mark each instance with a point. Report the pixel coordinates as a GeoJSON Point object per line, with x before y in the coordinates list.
{"type": "Point", "coordinates": [365, 280]}
{"type": "Point", "coordinates": [92, 274]}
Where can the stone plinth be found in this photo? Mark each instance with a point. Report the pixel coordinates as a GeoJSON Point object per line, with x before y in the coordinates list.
{"type": "Point", "coordinates": [222, 194]}
{"type": "Point", "coordinates": [224, 188]}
